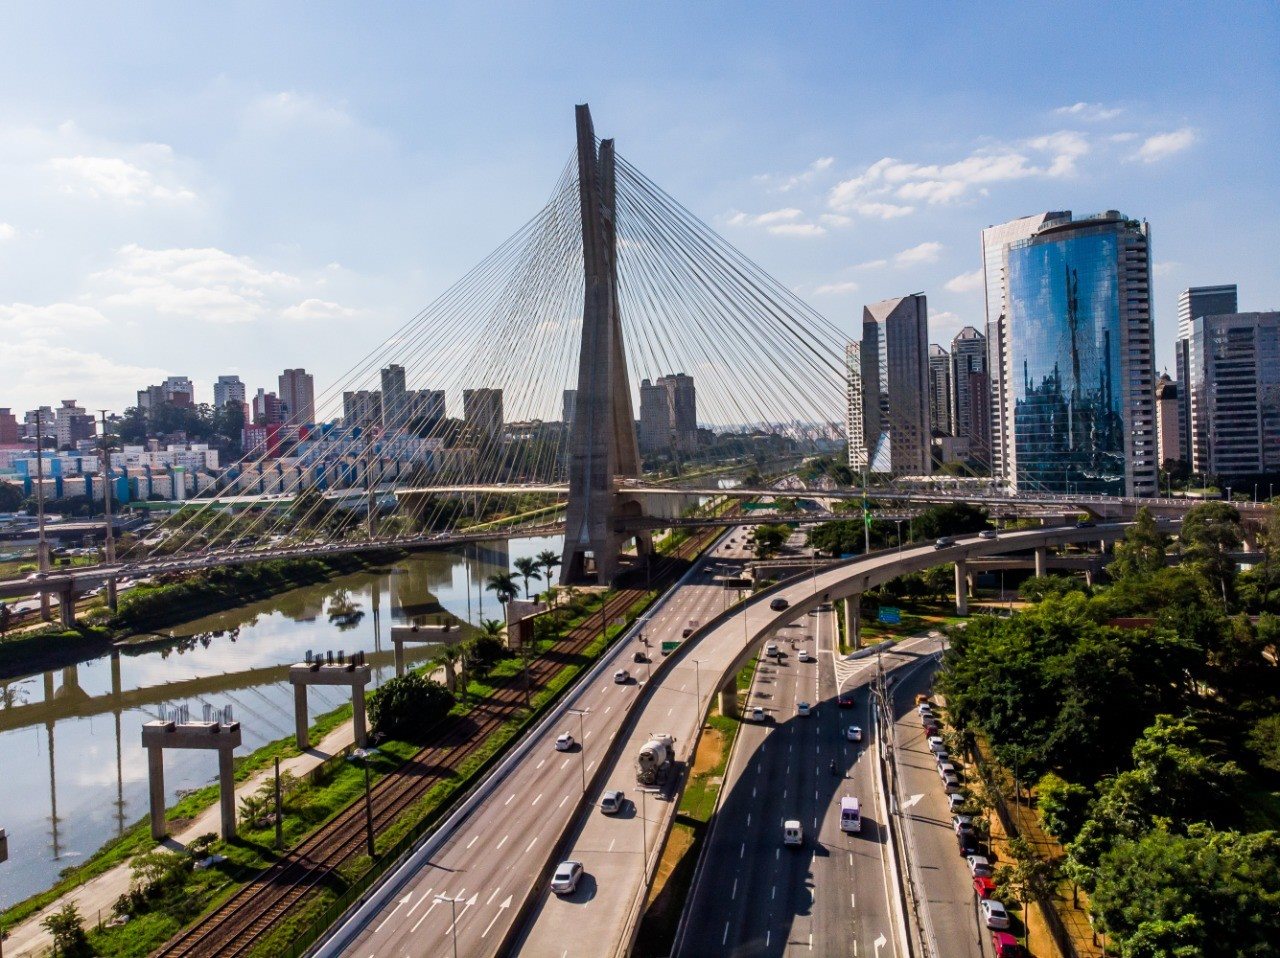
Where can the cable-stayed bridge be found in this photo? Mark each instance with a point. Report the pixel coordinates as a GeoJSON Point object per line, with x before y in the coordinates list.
{"type": "Point", "coordinates": [508, 406]}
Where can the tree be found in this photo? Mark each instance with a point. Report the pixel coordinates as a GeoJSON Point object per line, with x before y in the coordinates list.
{"type": "Point", "coordinates": [951, 519]}
{"type": "Point", "coordinates": [67, 930]}
{"type": "Point", "coordinates": [527, 567]}
{"type": "Point", "coordinates": [1063, 806]}
{"type": "Point", "coordinates": [1027, 876]}
{"type": "Point", "coordinates": [11, 497]}
{"type": "Point", "coordinates": [1036, 588]}
{"type": "Point", "coordinates": [768, 539]}
{"type": "Point", "coordinates": [1142, 550]}
{"type": "Point", "coordinates": [842, 537]}
{"type": "Point", "coordinates": [408, 705]}
{"type": "Point", "coordinates": [482, 653]}
{"type": "Point", "coordinates": [548, 559]}
{"type": "Point", "coordinates": [1210, 532]}
{"type": "Point", "coordinates": [1264, 739]}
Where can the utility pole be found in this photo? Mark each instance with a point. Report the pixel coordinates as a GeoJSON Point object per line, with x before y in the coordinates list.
{"type": "Point", "coordinates": [110, 540]}
{"type": "Point", "coordinates": [42, 544]}
{"type": "Point", "coordinates": [368, 480]}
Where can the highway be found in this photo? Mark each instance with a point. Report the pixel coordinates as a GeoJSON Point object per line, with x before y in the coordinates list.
{"type": "Point", "coordinates": [494, 857]}
{"type": "Point", "coordinates": [836, 895]}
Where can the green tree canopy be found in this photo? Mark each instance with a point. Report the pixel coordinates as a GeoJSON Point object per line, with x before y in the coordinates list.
{"type": "Point", "coordinates": [1142, 550]}
{"type": "Point", "coordinates": [408, 705]}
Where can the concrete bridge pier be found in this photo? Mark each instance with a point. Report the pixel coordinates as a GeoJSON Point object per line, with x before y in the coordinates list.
{"type": "Point", "coordinates": [1042, 558]}
{"type": "Point", "coordinates": [853, 620]}
{"type": "Point", "coordinates": [728, 697]}
{"type": "Point", "coordinates": [353, 673]}
{"type": "Point", "coordinates": [402, 635]}
{"type": "Point", "coordinates": [113, 597]}
{"type": "Point", "coordinates": [225, 739]}
{"type": "Point", "coordinates": [67, 607]}
{"type": "Point", "coordinates": [962, 587]}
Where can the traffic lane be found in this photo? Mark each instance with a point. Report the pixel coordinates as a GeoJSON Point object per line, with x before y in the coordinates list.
{"type": "Point", "coordinates": [497, 858]}
{"type": "Point", "coordinates": [948, 887]}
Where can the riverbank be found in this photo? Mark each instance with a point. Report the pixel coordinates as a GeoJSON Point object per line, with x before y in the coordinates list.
{"type": "Point", "coordinates": [170, 601]}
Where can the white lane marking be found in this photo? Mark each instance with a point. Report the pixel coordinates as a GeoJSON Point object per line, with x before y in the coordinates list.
{"type": "Point", "coordinates": [853, 901]}
{"type": "Point", "coordinates": [565, 763]}
{"type": "Point", "coordinates": [509, 798]}
{"type": "Point", "coordinates": [503, 842]}
{"type": "Point", "coordinates": [606, 709]}
{"type": "Point", "coordinates": [473, 840]}
{"type": "Point", "coordinates": [415, 905]}
{"type": "Point", "coordinates": [748, 819]}
{"type": "Point", "coordinates": [537, 800]}
{"type": "Point", "coordinates": [540, 764]}
{"type": "Point", "coordinates": [725, 936]}
{"type": "Point", "coordinates": [734, 893]}
{"type": "Point", "coordinates": [851, 859]}
{"type": "Point", "coordinates": [811, 941]}
{"type": "Point", "coordinates": [434, 902]}
{"type": "Point", "coordinates": [612, 842]}
{"type": "Point", "coordinates": [562, 801]}
{"type": "Point", "coordinates": [777, 854]}
{"type": "Point", "coordinates": [670, 710]}
{"type": "Point", "coordinates": [506, 903]}
{"type": "Point", "coordinates": [528, 848]}
{"type": "Point", "coordinates": [743, 850]}
{"type": "Point", "coordinates": [767, 936]}
{"type": "Point", "coordinates": [590, 763]}
{"type": "Point", "coordinates": [403, 901]}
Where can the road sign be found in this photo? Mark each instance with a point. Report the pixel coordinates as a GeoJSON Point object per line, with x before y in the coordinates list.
{"type": "Point", "coordinates": [669, 647]}
{"type": "Point", "coordinates": [889, 615]}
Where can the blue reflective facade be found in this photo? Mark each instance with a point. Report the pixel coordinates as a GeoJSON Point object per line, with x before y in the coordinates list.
{"type": "Point", "coordinates": [1064, 322]}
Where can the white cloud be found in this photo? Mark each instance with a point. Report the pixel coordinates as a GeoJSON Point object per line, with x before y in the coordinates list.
{"type": "Point", "coordinates": [113, 178]}
{"type": "Point", "coordinates": [1163, 145]}
{"type": "Point", "coordinates": [835, 219]}
{"type": "Point", "coordinates": [1095, 112]}
{"type": "Point", "coordinates": [34, 370]}
{"type": "Point", "coordinates": [836, 288]}
{"type": "Point", "coordinates": [796, 229]}
{"type": "Point", "coordinates": [883, 211]}
{"type": "Point", "coordinates": [1164, 268]}
{"type": "Point", "coordinates": [319, 309]}
{"type": "Point", "coordinates": [921, 253]}
{"type": "Point", "coordinates": [783, 222]}
{"type": "Point", "coordinates": [7, 231]}
{"type": "Point", "coordinates": [27, 321]}
{"type": "Point", "coordinates": [873, 264]}
{"type": "Point", "coordinates": [786, 183]}
{"type": "Point", "coordinates": [965, 282]}
{"type": "Point", "coordinates": [290, 108]}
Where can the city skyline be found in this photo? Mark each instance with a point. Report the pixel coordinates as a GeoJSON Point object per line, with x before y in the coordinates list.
{"type": "Point", "coordinates": [139, 239]}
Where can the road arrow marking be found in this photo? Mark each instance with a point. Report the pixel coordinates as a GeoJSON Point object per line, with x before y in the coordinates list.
{"type": "Point", "coordinates": [506, 903]}
{"type": "Point", "coordinates": [470, 901]}
{"type": "Point", "coordinates": [403, 901]}
{"type": "Point", "coordinates": [912, 801]}
{"type": "Point", "coordinates": [880, 942]}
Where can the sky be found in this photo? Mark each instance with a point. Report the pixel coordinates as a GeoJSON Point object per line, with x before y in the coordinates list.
{"type": "Point", "coordinates": [215, 188]}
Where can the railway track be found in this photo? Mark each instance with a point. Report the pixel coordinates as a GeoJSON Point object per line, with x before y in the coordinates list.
{"type": "Point", "coordinates": [243, 920]}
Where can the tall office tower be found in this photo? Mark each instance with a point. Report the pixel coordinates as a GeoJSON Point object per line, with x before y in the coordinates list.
{"type": "Point", "coordinates": [1193, 302]}
{"type": "Point", "coordinates": [1077, 374]}
{"type": "Point", "coordinates": [297, 397]}
{"type": "Point", "coordinates": [1235, 394]}
{"type": "Point", "coordinates": [895, 385]}
{"type": "Point", "coordinates": [45, 415]}
{"type": "Point", "coordinates": [1168, 420]}
{"type": "Point", "coordinates": [570, 409]}
{"type": "Point", "coordinates": [655, 417]}
{"type": "Point", "coordinates": [994, 240]}
{"type": "Point", "coordinates": [940, 390]}
{"type": "Point", "coordinates": [179, 391]}
{"type": "Point", "coordinates": [426, 410]}
{"type": "Point", "coordinates": [227, 389]}
{"type": "Point", "coordinates": [395, 410]}
{"type": "Point", "coordinates": [73, 424]}
{"type": "Point", "coordinates": [361, 408]}
{"type": "Point", "coordinates": [971, 393]}
{"type": "Point", "coordinates": [267, 409]}
{"type": "Point", "coordinates": [854, 426]}
{"type": "Point", "coordinates": [684, 410]}
{"type": "Point", "coordinates": [482, 416]}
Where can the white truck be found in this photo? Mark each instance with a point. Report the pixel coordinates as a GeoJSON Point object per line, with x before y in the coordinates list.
{"type": "Point", "coordinates": [656, 758]}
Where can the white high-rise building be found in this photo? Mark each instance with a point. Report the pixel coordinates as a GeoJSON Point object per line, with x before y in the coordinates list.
{"type": "Point", "coordinates": [227, 389]}
{"type": "Point", "coordinates": [1193, 302]}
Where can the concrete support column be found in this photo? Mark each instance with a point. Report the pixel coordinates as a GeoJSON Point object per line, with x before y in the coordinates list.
{"type": "Point", "coordinates": [155, 780]}
{"type": "Point", "coordinates": [853, 620]}
{"type": "Point", "coordinates": [227, 793]}
{"type": "Point", "coordinates": [358, 717]}
{"type": "Point", "coordinates": [300, 723]}
{"type": "Point", "coordinates": [67, 607]}
{"type": "Point", "coordinates": [113, 597]}
{"type": "Point", "coordinates": [729, 698]}
{"type": "Point", "coordinates": [1250, 538]}
{"type": "Point", "coordinates": [399, 657]}
{"type": "Point", "coordinates": [115, 673]}
{"type": "Point", "coordinates": [1088, 578]}
{"type": "Point", "coordinates": [1042, 558]}
{"type": "Point", "coordinates": [962, 587]}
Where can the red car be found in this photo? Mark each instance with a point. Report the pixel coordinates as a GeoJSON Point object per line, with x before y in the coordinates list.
{"type": "Point", "coordinates": [1006, 945]}
{"type": "Point", "coordinates": [984, 887]}
{"type": "Point", "coordinates": [845, 700]}
{"type": "Point", "coordinates": [930, 731]}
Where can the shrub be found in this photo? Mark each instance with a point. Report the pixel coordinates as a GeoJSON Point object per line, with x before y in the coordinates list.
{"type": "Point", "coordinates": [408, 705]}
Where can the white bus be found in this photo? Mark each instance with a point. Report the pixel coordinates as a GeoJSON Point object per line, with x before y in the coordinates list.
{"type": "Point", "coordinates": [850, 815]}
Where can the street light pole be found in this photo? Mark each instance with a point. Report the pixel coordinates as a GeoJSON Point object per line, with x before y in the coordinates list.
{"type": "Point", "coordinates": [697, 684]}
{"type": "Point", "coordinates": [899, 523]}
{"type": "Point", "coordinates": [368, 809]}
{"type": "Point", "coordinates": [644, 832]}
{"type": "Point", "coordinates": [42, 544]}
{"type": "Point", "coordinates": [453, 910]}
{"type": "Point", "coordinates": [582, 744]}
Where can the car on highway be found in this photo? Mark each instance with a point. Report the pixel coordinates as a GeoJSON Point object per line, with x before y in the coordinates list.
{"type": "Point", "coordinates": [792, 833]}
{"type": "Point", "coordinates": [565, 880]}
{"type": "Point", "coordinates": [803, 655]}
{"type": "Point", "coordinates": [686, 633]}
{"type": "Point", "coordinates": [994, 913]}
{"type": "Point", "coordinates": [757, 714]}
{"type": "Point", "coordinates": [564, 743]}
{"type": "Point", "coordinates": [1085, 524]}
{"type": "Point", "coordinates": [611, 802]}
{"type": "Point", "coordinates": [639, 657]}
{"type": "Point", "coordinates": [621, 677]}
{"type": "Point", "coordinates": [988, 534]}
{"type": "Point", "coordinates": [846, 700]}
{"type": "Point", "coordinates": [771, 650]}
{"type": "Point", "coordinates": [778, 604]}
{"type": "Point", "coordinates": [979, 866]}
{"type": "Point", "coordinates": [803, 708]}
{"type": "Point", "coordinates": [944, 542]}
{"type": "Point", "coordinates": [984, 887]}
{"type": "Point", "coordinates": [853, 733]}
{"type": "Point", "coordinates": [1006, 946]}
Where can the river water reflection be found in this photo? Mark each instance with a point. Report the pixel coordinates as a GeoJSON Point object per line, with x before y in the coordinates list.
{"type": "Point", "coordinates": [72, 767]}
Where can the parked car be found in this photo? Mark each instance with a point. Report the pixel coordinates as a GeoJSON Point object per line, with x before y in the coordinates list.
{"type": "Point", "coordinates": [994, 913]}
{"type": "Point", "coordinates": [936, 744]}
{"type": "Point", "coordinates": [853, 733]}
{"type": "Point", "coordinates": [984, 887]}
{"type": "Point", "coordinates": [1085, 524]}
{"type": "Point", "coordinates": [1006, 946]}
{"type": "Point", "coordinates": [639, 657]}
{"type": "Point", "coordinates": [565, 880]}
{"type": "Point", "coordinates": [778, 604]}
{"type": "Point", "coordinates": [940, 757]}
{"type": "Point", "coordinates": [945, 767]}
{"type": "Point", "coordinates": [979, 866]}
{"type": "Point", "coordinates": [611, 802]}
{"type": "Point", "coordinates": [957, 800]}
{"type": "Point", "coordinates": [931, 730]}
{"type": "Point", "coordinates": [950, 782]}
{"type": "Point", "coordinates": [961, 822]}
{"type": "Point", "coordinates": [967, 842]}
{"type": "Point", "coordinates": [564, 743]}
{"type": "Point", "coordinates": [924, 707]}
{"type": "Point", "coordinates": [686, 633]}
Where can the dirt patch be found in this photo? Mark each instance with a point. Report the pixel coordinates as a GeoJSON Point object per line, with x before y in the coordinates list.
{"type": "Point", "coordinates": [710, 751]}
{"type": "Point", "coordinates": [678, 843]}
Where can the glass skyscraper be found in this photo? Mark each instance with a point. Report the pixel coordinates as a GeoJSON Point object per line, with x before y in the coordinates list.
{"type": "Point", "coordinates": [1077, 372]}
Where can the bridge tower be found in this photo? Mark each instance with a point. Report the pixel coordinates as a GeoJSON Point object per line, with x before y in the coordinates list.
{"type": "Point", "coordinates": [603, 446]}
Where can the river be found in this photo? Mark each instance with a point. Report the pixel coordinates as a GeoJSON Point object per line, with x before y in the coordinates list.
{"type": "Point", "coordinates": [72, 768]}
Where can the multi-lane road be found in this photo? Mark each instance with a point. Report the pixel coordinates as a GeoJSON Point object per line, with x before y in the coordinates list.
{"type": "Point", "coordinates": [494, 857]}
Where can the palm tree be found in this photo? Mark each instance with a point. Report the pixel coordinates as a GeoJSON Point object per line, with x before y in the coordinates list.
{"type": "Point", "coordinates": [491, 627]}
{"type": "Point", "coordinates": [548, 559]}
{"type": "Point", "coordinates": [449, 657]}
{"type": "Point", "coordinates": [503, 585]}
{"type": "Point", "coordinates": [527, 567]}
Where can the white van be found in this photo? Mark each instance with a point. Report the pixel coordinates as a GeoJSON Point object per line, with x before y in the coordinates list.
{"type": "Point", "coordinates": [771, 650]}
{"type": "Point", "coordinates": [850, 815]}
{"type": "Point", "coordinates": [792, 833]}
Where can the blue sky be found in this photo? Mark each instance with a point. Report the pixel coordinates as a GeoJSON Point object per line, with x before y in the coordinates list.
{"type": "Point", "coordinates": [240, 187]}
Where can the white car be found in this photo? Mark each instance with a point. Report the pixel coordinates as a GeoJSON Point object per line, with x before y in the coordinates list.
{"type": "Point", "coordinates": [621, 677]}
{"type": "Point", "coordinates": [757, 714]}
{"type": "Point", "coordinates": [936, 744]}
{"type": "Point", "coordinates": [803, 708]}
{"type": "Point", "coordinates": [564, 743]}
{"type": "Point", "coordinates": [611, 802]}
{"type": "Point", "coordinates": [979, 866]}
{"type": "Point", "coordinates": [956, 800]}
{"type": "Point", "coordinates": [994, 914]}
{"type": "Point", "coordinates": [853, 733]}
{"type": "Point", "coordinates": [566, 878]}
{"type": "Point", "coordinates": [803, 655]}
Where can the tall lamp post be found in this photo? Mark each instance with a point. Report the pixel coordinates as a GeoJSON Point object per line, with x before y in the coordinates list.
{"type": "Point", "coordinates": [453, 910]}
{"type": "Point", "coordinates": [582, 743]}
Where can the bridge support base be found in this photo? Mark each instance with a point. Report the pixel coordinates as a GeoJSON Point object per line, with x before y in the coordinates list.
{"type": "Point", "coordinates": [728, 698]}
{"type": "Point", "coordinates": [305, 674]}
{"type": "Point", "coordinates": [113, 596]}
{"type": "Point", "coordinates": [853, 620]}
{"type": "Point", "coordinates": [225, 739]}
{"type": "Point", "coordinates": [962, 587]}
{"type": "Point", "coordinates": [1042, 558]}
{"type": "Point", "coordinates": [402, 635]}
{"type": "Point", "coordinates": [67, 608]}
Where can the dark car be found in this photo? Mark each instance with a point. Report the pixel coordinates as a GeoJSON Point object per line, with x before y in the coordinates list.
{"type": "Point", "coordinates": [639, 657]}
{"type": "Point", "coordinates": [778, 604]}
{"type": "Point", "coordinates": [686, 633]}
{"type": "Point", "coordinates": [845, 700]}
{"type": "Point", "coordinates": [1085, 524]}
{"type": "Point", "coordinates": [967, 842]}
{"type": "Point", "coordinates": [944, 542]}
